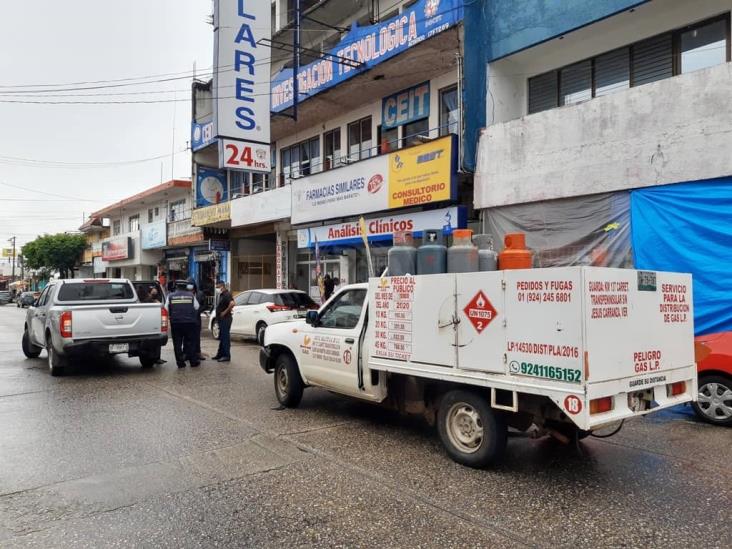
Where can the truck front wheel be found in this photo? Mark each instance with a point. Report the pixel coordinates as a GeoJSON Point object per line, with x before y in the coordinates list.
{"type": "Point", "coordinates": [287, 381]}
{"type": "Point", "coordinates": [471, 432]}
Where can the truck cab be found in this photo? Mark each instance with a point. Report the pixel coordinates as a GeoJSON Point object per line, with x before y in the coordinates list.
{"type": "Point", "coordinates": [327, 349]}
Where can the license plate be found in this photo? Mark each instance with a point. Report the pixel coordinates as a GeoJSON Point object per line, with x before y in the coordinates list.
{"type": "Point", "coordinates": [119, 347]}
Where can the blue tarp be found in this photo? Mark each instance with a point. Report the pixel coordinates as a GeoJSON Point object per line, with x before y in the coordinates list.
{"type": "Point", "coordinates": [687, 227]}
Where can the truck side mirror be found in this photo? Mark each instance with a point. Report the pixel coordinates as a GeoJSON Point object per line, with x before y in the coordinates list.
{"type": "Point", "coordinates": [311, 317]}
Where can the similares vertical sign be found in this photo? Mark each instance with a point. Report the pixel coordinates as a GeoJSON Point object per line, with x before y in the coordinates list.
{"type": "Point", "coordinates": [242, 70]}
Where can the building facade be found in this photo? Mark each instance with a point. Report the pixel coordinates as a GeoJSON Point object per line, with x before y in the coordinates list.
{"type": "Point", "coordinates": [370, 127]}
{"type": "Point", "coordinates": [90, 263]}
{"type": "Point", "coordinates": [604, 135]}
{"type": "Point", "coordinates": [150, 235]}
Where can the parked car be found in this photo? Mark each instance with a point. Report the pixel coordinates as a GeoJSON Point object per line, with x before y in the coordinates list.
{"type": "Point", "coordinates": [93, 317]}
{"type": "Point", "coordinates": [715, 378]}
{"type": "Point", "coordinates": [4, 297]}
{"type": "Point", "coordinates": [25, 299]}
{"type": "Point", "coordinates": [256, 309]}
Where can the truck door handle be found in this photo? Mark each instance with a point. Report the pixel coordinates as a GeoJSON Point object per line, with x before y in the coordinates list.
{"type": "Point", "coordinates": [350, 340]}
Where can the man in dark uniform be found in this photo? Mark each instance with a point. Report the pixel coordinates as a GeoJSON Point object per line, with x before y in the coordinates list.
{"type": "Point", "coordinates": [183, 308]}
{"type": "Point", "coordinates": [201, 298]}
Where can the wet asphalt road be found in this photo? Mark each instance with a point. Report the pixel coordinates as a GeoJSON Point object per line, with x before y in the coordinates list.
{"type": "Point", "coordinates": [113, 455]}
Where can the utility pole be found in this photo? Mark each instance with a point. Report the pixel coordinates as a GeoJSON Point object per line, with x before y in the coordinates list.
{"type": "Point", "coordinates": [12, 277]}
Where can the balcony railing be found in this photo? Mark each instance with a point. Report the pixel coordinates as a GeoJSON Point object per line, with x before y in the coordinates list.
{"type": "Point", "coordinates": [179, 215]}
{"type": "Point", "coordinates": [386, 146]}
{"type": "Point", "coordinates": [182, 227]}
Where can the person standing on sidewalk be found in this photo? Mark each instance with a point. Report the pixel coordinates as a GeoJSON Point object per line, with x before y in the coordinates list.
{"type": "Point", "coordinates": [224, 307]}
{"type": "Point", "coordinates": [183, 308]}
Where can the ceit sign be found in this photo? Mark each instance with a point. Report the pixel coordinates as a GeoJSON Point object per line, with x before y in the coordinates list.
{"type": "Point", "coordinates": [242, 70]}
{"type": "Point", "coordinates": [406, 106]}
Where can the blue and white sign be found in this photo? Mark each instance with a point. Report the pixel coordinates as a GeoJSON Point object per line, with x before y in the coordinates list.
{"type": "Point", "coordinates": [211, 187]}
{"type": "Point", "coordinates": [219, 245]}
{"type": "Point", "coordinates": [242, 69]}
{"type": "Point", "coordinates": [367, 47]}
{"type": "Point", "coordinates": [202, 135]}
{"type": "Point", "coordinates": [405, 106]}
{"type": "Point", "coordinates": [383, 228]}
{"type": "Point", "coordinates": [153, 235]}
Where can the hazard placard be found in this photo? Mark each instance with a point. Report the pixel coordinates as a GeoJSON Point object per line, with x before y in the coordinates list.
{"type": "Point", "coordinates": [480, 311]}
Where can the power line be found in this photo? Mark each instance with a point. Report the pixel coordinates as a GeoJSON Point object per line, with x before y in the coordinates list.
{"type": "Point", "coordinates": [28, 189]}
{"type": "Point", "coordinates": [104, 81]}
{"type": "Point", "coordinates": [60, 163]}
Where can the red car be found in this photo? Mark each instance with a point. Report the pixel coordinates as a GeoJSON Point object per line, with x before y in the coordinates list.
{"type": "Point", "coordinates": [714, 364]}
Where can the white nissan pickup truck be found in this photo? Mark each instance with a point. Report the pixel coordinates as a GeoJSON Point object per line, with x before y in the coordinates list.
{"type": "Point", "coordinates": [93, 317]}
{"type": "Point", "coordinates": [561, 351]}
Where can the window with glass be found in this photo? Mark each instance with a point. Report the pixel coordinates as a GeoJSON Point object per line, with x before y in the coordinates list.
{"type": "Point", "coordinates": [345, 311]}
{"type": "Point", "coordinates": [116, 227]}
{"type": "Point", "coordinates": [415, 130]}
{"type": "Point", "coordinates": [692, 48]}
{"type": "Point", "coordinates": [301, 159]}
{"type": "Point", "coordinates": [133, 223]}
{"type": "Point", "coordinates": [704, 46]}
{"type": "Point", "coordinates": [177, 210]}
{"type": "Point", "coordinates": [242, 299]}
{"type": "Point", "coordinates": [359, 139]}
{"type": "Point", "coordinates": [238, 183]}
{"type": "Point", "coordinates": [150, 215]}
{"type": "Point", "coordinates": [332, 149]}
{"type": "Point", "coordinates": [449, 114]}
{"type": "Point", "coordinates": [388, 139]}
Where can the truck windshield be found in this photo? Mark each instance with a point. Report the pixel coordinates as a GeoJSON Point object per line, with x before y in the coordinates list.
{"type": "Point", "coordinates": [95, 291]}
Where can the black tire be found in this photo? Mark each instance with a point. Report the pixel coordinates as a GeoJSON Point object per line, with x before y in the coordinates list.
{"type": "Point", "coordinates": [148, 361]}
{"type": "Point", "coordinates": [287, 381]}
{"type": "Point", "coordinates": [261, 327]}
{"type": "Point", "coordinates": [215, 329]}
{"type": "Point", "coordinates": [715, 398]}
{"type": "Point", "coordinates": [56, 363]}
{"type": "Point", "coordinates": [30, 350]}
{"type": "Point", "coordinates": [470, 430]}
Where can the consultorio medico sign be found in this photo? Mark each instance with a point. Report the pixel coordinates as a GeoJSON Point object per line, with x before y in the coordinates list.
{"type": "Point", "coordinates": [415, 176]}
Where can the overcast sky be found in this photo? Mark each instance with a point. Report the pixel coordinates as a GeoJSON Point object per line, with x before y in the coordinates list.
{"type": "Point", "coordinates": [54, 42]}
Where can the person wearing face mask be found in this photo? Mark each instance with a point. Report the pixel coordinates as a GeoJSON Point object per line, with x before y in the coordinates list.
{"type": "Point", "coordinates": [183, 309]}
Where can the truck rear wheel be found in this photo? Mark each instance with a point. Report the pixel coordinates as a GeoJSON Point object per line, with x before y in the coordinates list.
{"type": "Point", "coordinates": [56, 363]}
{"type": "Point", "coordinates": [471, 432]}
{"type": "Point", "coordinates": [287, 381]}
{"type": "Point", "coordinates": [30, 350]}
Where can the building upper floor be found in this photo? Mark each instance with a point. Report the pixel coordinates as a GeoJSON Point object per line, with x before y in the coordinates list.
{"type": "Point", "coordinates": [635, 99]}
{"type": "Point", "coordinates": [165, 203]}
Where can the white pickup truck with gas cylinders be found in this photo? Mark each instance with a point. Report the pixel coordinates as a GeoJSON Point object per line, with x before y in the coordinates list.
{"type": "Point", "coordinates": [93, 317]}
{"type": "Point", "coordinates": [561, 351]}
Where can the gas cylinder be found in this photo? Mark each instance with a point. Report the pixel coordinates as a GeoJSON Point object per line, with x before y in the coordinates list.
{"type": "Point", "coordinates": [462, 256]}
{"type": "Point", "coordinates": [487, 256]}
{"type": "Point", "coordinates": [515, 255]}
{"type": "Point", "coordinates": [402, 256]}
{"type": "Point", "coordinates": [432, 254]}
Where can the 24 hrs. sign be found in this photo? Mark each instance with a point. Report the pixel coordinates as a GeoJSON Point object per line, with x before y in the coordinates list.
{"type": "Point", "coordinates": [245, 156]}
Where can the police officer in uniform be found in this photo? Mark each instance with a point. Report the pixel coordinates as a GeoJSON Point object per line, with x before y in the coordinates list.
{"type": "Point", "coordinates": [183, 308]}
